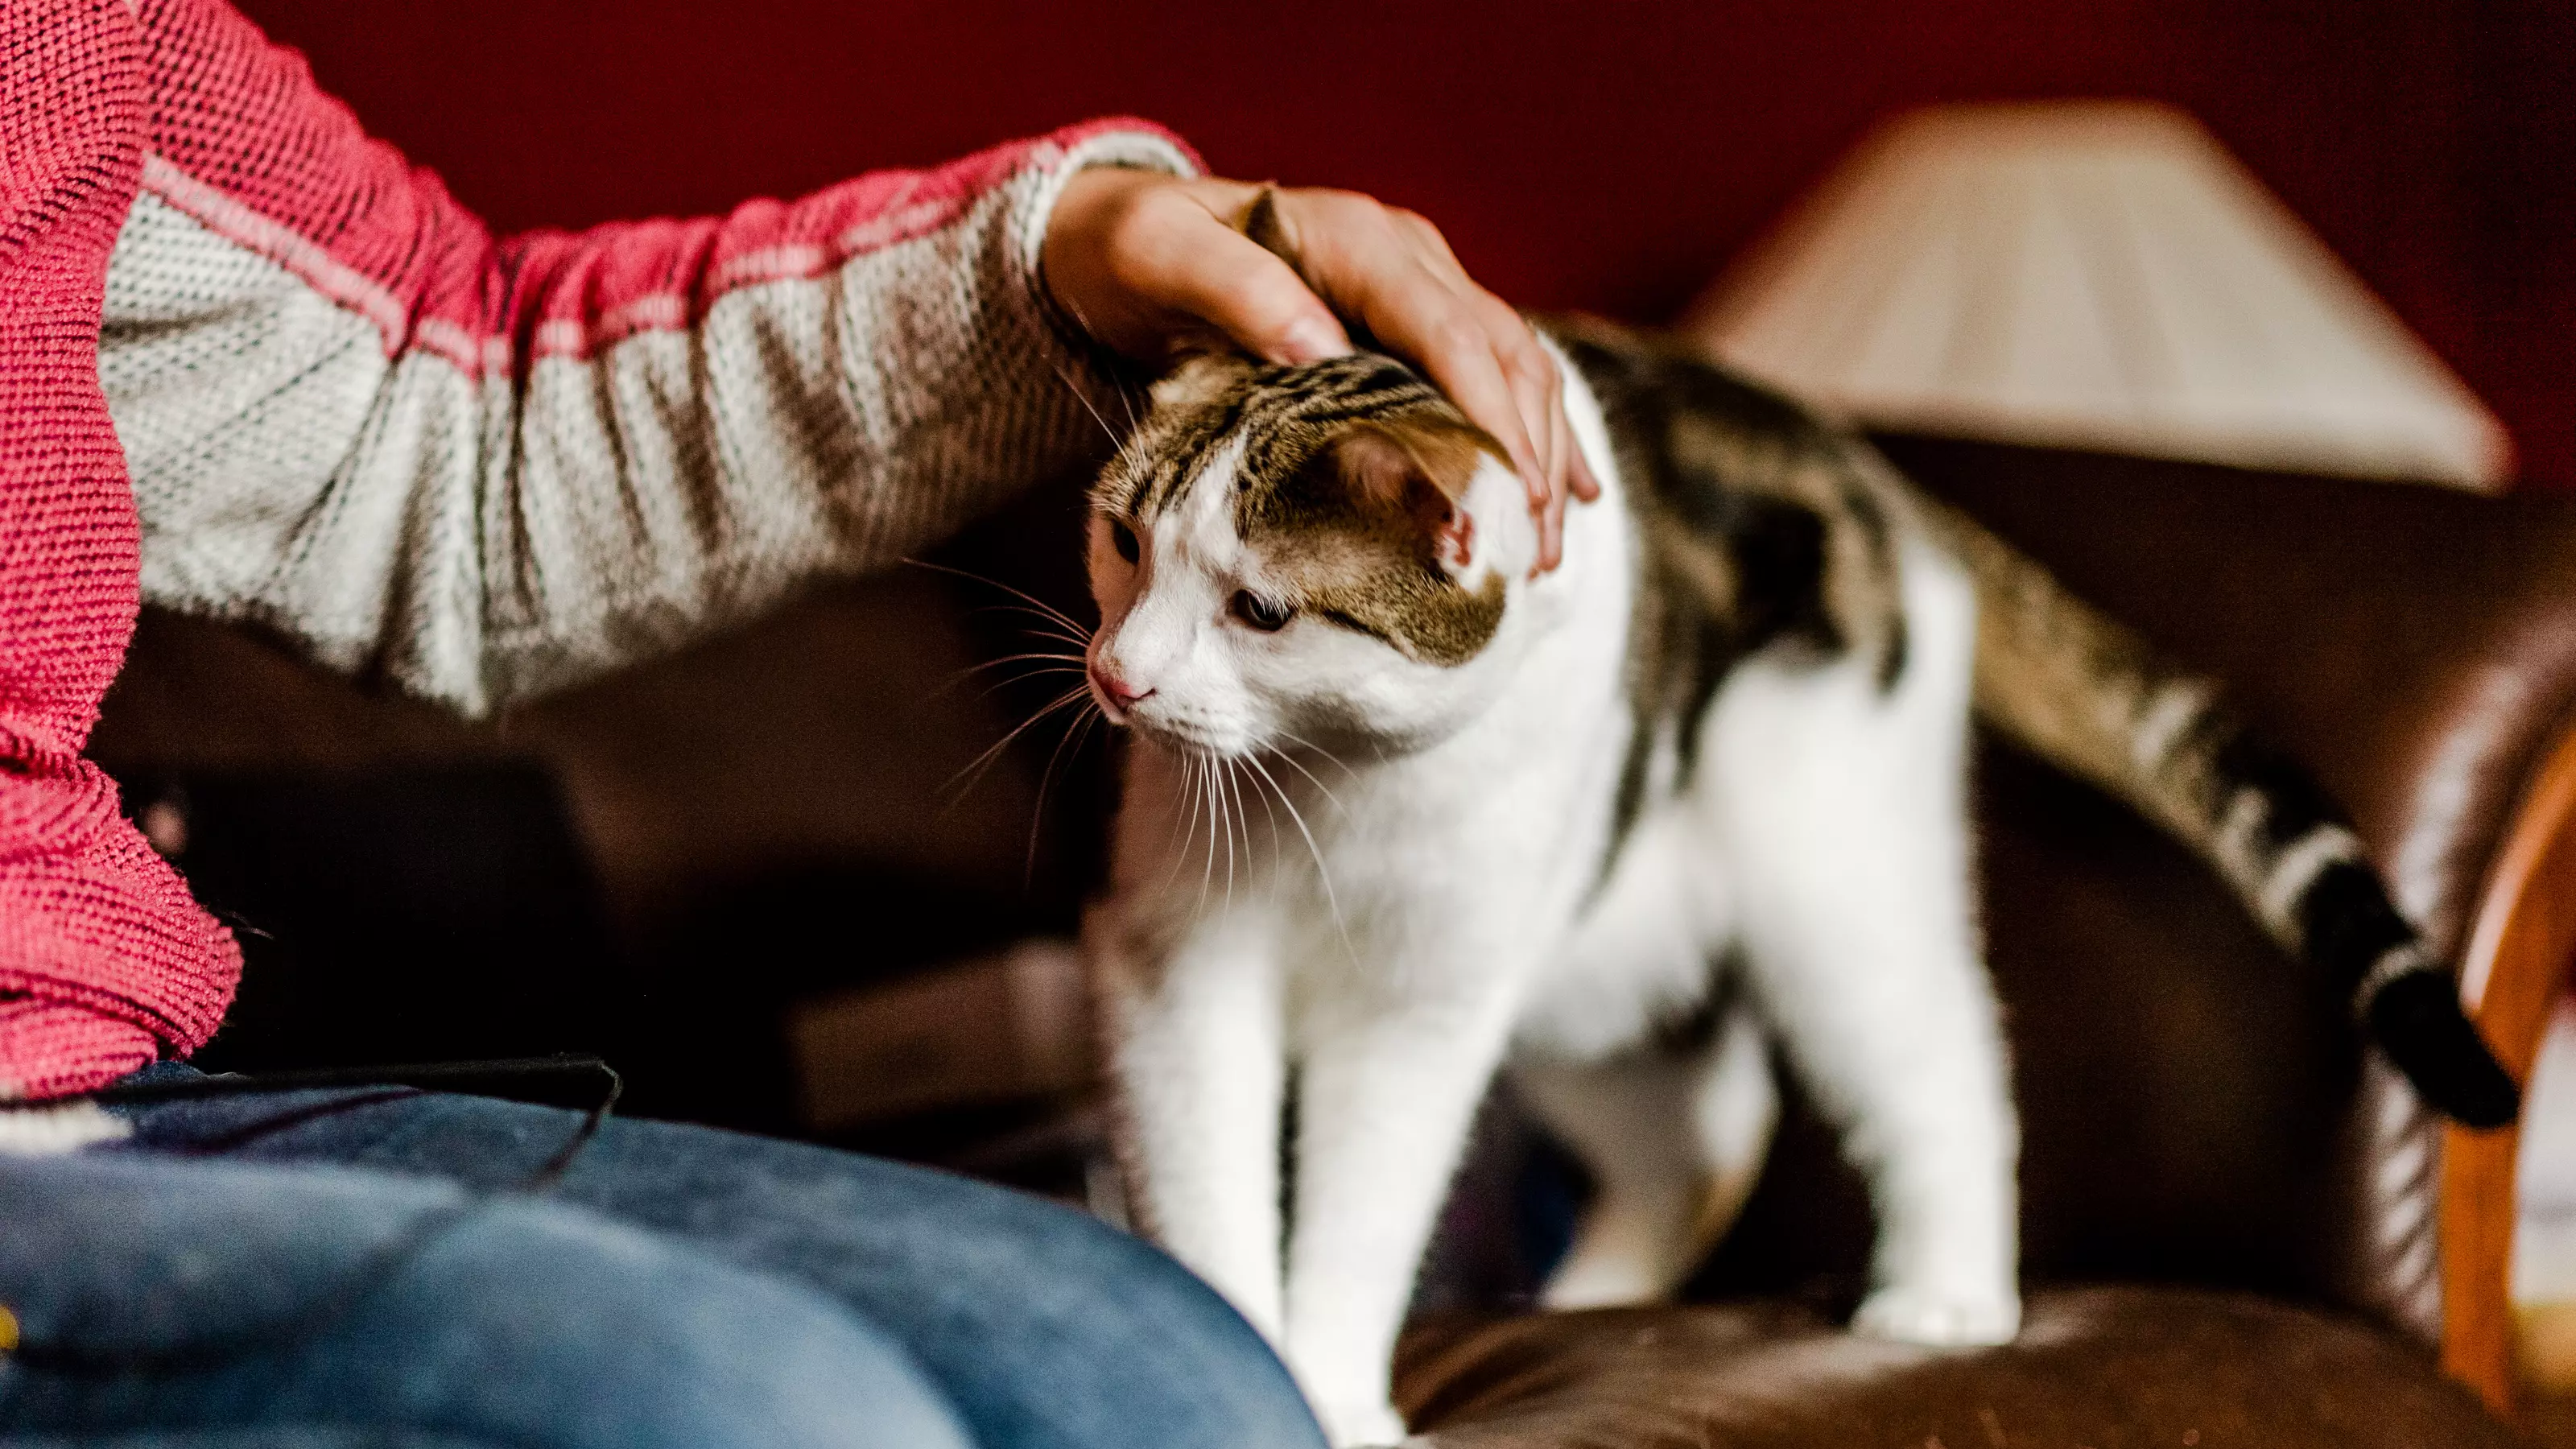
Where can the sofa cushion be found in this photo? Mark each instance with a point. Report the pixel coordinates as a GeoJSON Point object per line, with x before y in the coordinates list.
{"type": "Point", "coordinates": [2096, 1367]}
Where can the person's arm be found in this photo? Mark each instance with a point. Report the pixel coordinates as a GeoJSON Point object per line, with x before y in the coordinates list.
{"type": "Point", "coordinates": [105, 963]}
{"type": "Point", "coordinates": [482, 468]}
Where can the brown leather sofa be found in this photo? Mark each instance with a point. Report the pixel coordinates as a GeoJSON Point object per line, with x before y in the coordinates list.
{"type": "Point", "coordinates": [2294, 1256]}
{"type": "Point", "coordinates": [2301, 1258]}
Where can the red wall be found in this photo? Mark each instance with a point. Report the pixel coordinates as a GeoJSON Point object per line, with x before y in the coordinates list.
{"type": "Point", "coordinates": [1608, 155]}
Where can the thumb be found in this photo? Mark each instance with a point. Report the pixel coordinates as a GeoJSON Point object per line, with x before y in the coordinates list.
{"type": "Point", "coordinates": [1233, 285]}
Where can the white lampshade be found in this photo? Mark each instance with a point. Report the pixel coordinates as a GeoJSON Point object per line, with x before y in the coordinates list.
{"type": "Point", "coordinates": [2097, 275]}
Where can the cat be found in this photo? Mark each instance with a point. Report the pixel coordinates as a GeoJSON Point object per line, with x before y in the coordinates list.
{"type": "Point", "coordinates": [1399, 813]}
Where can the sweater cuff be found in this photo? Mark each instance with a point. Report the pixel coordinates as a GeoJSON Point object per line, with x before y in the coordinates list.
{"type": "Point", "coordinates": [106, 964]}
{"type": "Point", "coordinates": [1121, 141]}
{"type": "Point", "coordinates": [55, 1049]}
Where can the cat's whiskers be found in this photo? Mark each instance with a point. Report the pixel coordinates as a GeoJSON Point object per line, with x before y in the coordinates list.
{"type": "Point", "coordinates": [1252, 862]}
{"type": "Point", "coordinates": [1271, 816]}
{"type": "Point", "coordinates": [1207, 799]}
{"type": "Point", "coordinates": [1060, 628]}
{"type": "Point", "coordinates": [1225, 820]}
{"type": "Point", "coordinates": [1084, 398]}
{"type": "Point", "coordinates": [1188, 811]}
{"type": "Point", "coordinates": [1082, 722]}
{"type": "Point", "coordinates": [1242, 823]}
{"type": "Point", "coordinates": [1117, 383]}
{"type": "Point", "coordinates": [1312, 780]}
{"type": "Point", "coordinates": [1126, 404]}
{"type": "Point", "coordinates": [1323, 873]}
{"type": "Point", "coordinates": [1073, 669]}
{"type": "Point", "coordinates": [1044, 609]}
{"type": "Point", "coordinates": [983, 763]}
{"type": "Point", "coordinates": [1052, 633]}
{"type": "Point", "coordinates": [1046, 654]}
{"type": "Point", "coordinates": [1056, 626]}
{"type": "Point", "coordinates": [1335, 760]}
{"type": "Point", "coordinates": [1047, 663]}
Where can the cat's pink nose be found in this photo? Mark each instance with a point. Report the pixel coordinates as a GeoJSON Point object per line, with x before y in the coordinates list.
{"type": "Point", "coordinates": [1116, 695]}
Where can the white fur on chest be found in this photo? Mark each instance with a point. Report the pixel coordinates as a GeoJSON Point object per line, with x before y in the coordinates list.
{"type": "Point", "coordinates": [1642, 954]}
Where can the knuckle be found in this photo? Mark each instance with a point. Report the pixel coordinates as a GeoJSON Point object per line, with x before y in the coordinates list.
{"type": "Point", "coordinates": [1158, 205]}
{"type": "Point", "coordinates": [1520, 346]}
{"type": "Point", "coordinates": [1457, 333]}
{"type": "Point", "coordinates": [1339, 204]}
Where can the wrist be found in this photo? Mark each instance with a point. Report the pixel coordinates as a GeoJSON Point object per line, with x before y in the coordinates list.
{"type": "Point", "coordinates": [1075, 268]}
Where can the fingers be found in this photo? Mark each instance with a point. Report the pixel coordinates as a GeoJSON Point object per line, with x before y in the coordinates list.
{"type": "Point", "coordinates": [1396, 274]}
{"type": "Point", "coordinates": [1538, 380]}
{"type": "Point", "coordinates": [1154, 265]}
{"type": "Point", "coordinates": [1218, 276]}
{"type": "Point", "coordinates": [1148, 266]}
{"type": "Point", "coordinates": [1538, 392]}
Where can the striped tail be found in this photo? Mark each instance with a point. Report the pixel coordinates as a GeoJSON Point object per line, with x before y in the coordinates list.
{"type": "Point", "coordinates": [2093, 698]}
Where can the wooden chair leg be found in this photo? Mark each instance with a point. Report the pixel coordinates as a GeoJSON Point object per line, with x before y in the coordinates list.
{"type": "Point", "coordinates": [2520, 950]}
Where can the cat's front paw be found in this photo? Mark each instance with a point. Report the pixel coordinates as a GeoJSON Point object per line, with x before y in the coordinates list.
{"type": "Point", "coordinates": [1365, 1426]}
{"type": "Point", "coordinates": [1939, 1319]}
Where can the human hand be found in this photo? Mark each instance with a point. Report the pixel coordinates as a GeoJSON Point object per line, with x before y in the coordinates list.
{"type": "Point", "coordinates": [1153, 265]}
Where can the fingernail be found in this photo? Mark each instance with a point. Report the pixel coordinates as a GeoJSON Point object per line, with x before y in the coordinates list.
{"type": "Point", "coordinates": [1309, 339]}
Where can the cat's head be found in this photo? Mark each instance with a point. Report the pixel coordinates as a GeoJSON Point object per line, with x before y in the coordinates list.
{"type": "Point", "coordinates": [1327, 553]}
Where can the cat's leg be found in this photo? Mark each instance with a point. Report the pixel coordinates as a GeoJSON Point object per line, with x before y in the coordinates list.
{"type": "Point", "coordinates": [1198, 1060]}
{"type": "Point", "coordinates": [1385, 1097]}
{"type": "Point", "coordinates": [1733, 1114]}
{"type": "Point", "coordinates": [1626, 1119]}
{"type": "Point", "coordinates": [1674, 1142]}
{"type": "Point", "coordinates": [1840, 803]}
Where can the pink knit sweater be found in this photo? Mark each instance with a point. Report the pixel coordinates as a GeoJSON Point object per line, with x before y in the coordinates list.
{"type": "Point", "coordinates": [254, 365]}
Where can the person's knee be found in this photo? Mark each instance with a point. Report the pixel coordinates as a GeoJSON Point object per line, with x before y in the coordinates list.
{"type": "Point", "coordinates": [1040, 1323]}
{"type": "Point", "coordinates": [546, 1326]}
{"type": "Point", "coordinates": [1191, 1364]}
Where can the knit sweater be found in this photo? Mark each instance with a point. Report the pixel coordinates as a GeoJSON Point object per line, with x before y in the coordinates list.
{"type": "Point", "coordinates": [254, 365]}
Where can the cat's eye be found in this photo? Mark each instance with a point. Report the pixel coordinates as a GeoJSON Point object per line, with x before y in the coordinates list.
{"type": "Point", "coordinates": [1125, 539]}
{"type": "Point", "coordinates": [1262, 614]}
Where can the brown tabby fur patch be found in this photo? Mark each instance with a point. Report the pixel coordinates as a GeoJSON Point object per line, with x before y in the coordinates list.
{"type": "Point", "coordinates": [1350, 547]}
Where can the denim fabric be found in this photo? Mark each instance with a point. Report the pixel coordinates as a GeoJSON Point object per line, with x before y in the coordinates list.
{"type": "Point", "coordinates": [266, 1437]}
{"type": "Point", "coordinates": [328, 1266]}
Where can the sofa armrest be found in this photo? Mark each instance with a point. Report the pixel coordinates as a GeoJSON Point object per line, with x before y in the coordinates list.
{"type": "Point", "coordinates": [2416, 647]}
{"type": "Point", "coordinates": [2520, 947]}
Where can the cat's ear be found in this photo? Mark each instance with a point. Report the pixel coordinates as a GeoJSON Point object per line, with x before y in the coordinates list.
{"type": "Point", "coordinates": [1421, 469]}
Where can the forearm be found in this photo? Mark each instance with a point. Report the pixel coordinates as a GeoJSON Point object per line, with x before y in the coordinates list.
{"type": "Point", "coordinates": [482, 469]}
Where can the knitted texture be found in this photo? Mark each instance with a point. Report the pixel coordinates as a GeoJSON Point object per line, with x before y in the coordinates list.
{"type": "Point", "coordinates": [485, 467]}
{"type": "Point", "coordinates": [105, 962]}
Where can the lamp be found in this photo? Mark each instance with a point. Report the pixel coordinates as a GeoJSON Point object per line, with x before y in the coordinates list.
{"type": "Point", "coordinates": [2097, 275]}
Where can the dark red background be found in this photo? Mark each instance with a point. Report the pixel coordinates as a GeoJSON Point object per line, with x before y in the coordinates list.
{"type": "Point", "coordinates": [1608, 156]}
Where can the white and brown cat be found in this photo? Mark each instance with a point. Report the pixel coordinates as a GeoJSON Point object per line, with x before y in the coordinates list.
{"type": "Point", "coordinates": [1398, 814]}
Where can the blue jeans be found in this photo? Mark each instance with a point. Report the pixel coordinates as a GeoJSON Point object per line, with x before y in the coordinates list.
{"type": "Point", "coordinates": [347, 1269]}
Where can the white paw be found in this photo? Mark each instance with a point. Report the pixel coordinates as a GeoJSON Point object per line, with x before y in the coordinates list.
{"type": "Point", "coordinates": [1364, 1426]}
{"type": "Point", "coordinates": [1938, 1319]}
